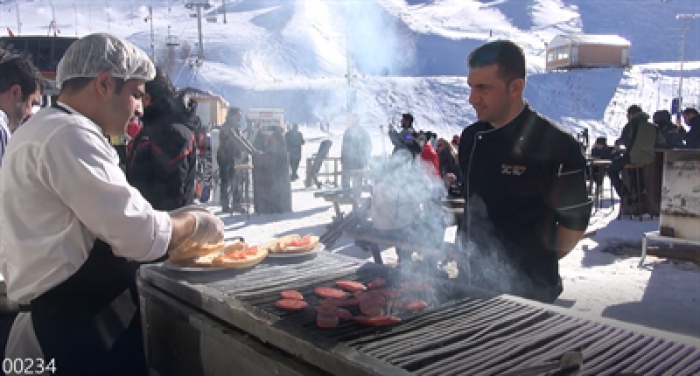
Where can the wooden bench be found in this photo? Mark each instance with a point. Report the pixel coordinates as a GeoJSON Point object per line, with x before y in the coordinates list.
{"type": "Point", "coordinates": [338, 197]}
{"type": "Point", "coordinates": [375, 238]}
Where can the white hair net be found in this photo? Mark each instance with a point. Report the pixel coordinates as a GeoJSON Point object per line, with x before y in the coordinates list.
{"type": "Point", "coordinates": [93, 54]}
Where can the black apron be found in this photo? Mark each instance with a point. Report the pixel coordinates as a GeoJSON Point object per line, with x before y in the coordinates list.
{"type": "Point", "coordinates": [90, 323]}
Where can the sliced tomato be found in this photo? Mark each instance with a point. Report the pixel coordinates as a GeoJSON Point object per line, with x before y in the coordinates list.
{"type": "Point", "coordinates": [242, 254]}
{"type": "Point", "coordinates": [327, 321]}
{"type": "Point", "coordinates": [388, 292]}
{"type": "Point", "coordinates": [326, 310]}
{"type": "Point", "coordinates": [351, 286]}
{"type": "Point", "coordinates": [377, 321]}
{"type": "Point", "coordinates": [376, 283]}
{"type": "Point", "coordinates": [330, 292]}
{"type": "Point", "coordinates": [291, 304]}
{"type": "Point", "coordinates": [343, 314]}
{"type": "Point", "coordinates": [292, 294]}
{"type": "Point", "coordinates": [300, 242]}
{"type": "Point", "coordinates": [412, 305]}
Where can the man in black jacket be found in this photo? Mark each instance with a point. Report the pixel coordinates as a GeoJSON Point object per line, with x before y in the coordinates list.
{"type": "Point", "coordinates": [692, 138]}
{"type": "Point", "coordinates": [524, 182]}
{"type": "Point", "coordinates": [162, 159]}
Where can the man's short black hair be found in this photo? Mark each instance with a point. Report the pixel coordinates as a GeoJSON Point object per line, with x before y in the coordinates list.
{"type": "Point", "coordinates": [408, 117]}
{"type": "Point", "coordinates": [20, 71]}
{"type": "Point", "coordinates": [509, 57]}
{"type": "Point", "coordinates": [601, 141]}
{"type": "Point", "coordinates": [690, 111]}
{"type": "Point", "coordinates": [634, 109]}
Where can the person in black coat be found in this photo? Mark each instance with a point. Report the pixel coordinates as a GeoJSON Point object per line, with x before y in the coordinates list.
{"type": "Point", "coordinates": [672, 133]}
{"type": "Point", "coordinates": [294, 140]}
{"type": "Point", "coordinates": [692, 138]}
{"type": "Point", "coordinates": [162, 158]}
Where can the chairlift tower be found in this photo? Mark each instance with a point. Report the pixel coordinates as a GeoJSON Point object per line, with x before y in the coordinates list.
{"type": "Point", "coordinates": [19, 23]}
{"type": "Point", "coordinates": [198, 5]}
{"type": "Point", "coordinates": [149, 18]}
{"type": "Point", "coordinates": [684, 17]}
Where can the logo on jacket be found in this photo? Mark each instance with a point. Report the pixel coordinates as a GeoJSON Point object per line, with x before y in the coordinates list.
{"type": "Point", "coordinates": [512, 169]}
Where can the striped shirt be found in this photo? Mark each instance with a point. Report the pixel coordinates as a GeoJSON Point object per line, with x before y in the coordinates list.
{"type": "Point", "coordinates": [4, 134]}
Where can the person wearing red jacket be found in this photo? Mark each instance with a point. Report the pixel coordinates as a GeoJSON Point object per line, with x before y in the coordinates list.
{"type": "Point", "coordinates": [133, 128]}
{"type": "Point", "coordinates": [429, 155]}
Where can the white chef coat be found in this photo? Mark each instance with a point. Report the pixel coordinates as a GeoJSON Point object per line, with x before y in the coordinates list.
{"type": "Point", "coordinates": [61, 188]}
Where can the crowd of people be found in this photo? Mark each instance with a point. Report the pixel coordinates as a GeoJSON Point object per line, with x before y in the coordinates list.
{"type": "Point", "coordinates": [78, 217]}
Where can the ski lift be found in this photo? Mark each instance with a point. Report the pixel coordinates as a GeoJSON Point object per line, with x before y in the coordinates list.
{"type": "Point", "coordinates": [212, 19]}
{"type": "Point", "coordinates": [172, 41]}
{"type": "Point", "coordinates": [193, 15]}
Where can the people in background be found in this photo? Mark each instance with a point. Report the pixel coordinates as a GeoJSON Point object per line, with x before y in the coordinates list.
{"type": "Point", "coordinates": [601, 149]}
{"type": "Point", "coordinates": [355, 151]}
{"type": "Point", "coordinates": [229, 153]}
{"type": "Point", "coordinates": [163, 157]}
{"type": "Point", "coordinates": [449, 167]}
{"type": "Point", "coordinates": [525, 187]}
{"type": "Point", "coordinates": [640, 138]}
{"type": "Point", "coordinates": [455, 141]}
{"type": "Point", "coordinates": [404, 139]}
{"type": "Point", "coordinates": [73, 229]}
{"type": "Point", "coordinates": [672, 133]}
{"type": "Point", "coordinates": [295, 140]}
{"type": "Point", "coordinates": [21, 86]}
{"type": "Point", "coordinates": [692, 138]}
{"type": "Point", "coordinates": [428, 154]}
{"type": "Point", "coordinates": [277, 165]}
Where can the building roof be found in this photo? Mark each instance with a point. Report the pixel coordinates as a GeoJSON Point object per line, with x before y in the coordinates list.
{"type": "Point", "coordinates": [608, 40]}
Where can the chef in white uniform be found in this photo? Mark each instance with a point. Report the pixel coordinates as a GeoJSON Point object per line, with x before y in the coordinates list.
{"type": "Point", "coordinates": [73, 231]}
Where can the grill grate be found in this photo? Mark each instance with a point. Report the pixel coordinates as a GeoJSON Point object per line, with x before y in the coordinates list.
{"type": "Point", "coordinates": [461, 332]}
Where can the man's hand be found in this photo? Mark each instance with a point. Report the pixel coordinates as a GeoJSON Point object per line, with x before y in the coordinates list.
{"type": "Point", "coordinates": [449, 178]}
{"type": "Point", "coordinates": [208, 228]}
{"type": "Point", "coordinates": [196, 224]}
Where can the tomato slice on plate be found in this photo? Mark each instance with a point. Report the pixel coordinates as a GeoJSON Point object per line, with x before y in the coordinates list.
{"type": "Point", "coordinates": [300, 242]}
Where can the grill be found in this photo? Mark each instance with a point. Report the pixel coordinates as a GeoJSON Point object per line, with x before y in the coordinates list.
{"type": "Point", "coordinates": [463, 331]}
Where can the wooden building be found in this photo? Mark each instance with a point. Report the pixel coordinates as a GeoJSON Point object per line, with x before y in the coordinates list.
{"type": "Point", "coordinates": [211, 108]}
{"type": "Point", "coordinates": [587, 51]}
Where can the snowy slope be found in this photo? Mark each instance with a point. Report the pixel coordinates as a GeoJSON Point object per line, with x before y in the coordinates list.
{"type": "Point", "coordinates": [402, 55]}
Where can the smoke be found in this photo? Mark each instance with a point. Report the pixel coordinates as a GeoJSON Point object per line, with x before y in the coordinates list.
{"type": "Point", "coordinates": [406, 201]}
{"type": "Point", "coordinates": [378, 43]}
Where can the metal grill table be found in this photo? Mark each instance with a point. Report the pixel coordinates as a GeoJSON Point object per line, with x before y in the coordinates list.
{"type": "Point", "coordinates": [224, 322]}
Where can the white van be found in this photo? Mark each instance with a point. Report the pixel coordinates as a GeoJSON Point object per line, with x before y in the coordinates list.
{"type": "Point", "coordinates": [267, 117]}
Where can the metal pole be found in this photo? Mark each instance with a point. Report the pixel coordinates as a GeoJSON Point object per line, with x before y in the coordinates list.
{"type": "Point", "coordinates": [153, 46]}
{"type": "Point", "coordinates": [19, 23]}
{"type": "Point", "coordinates": [53, 18]}
{"type": "Point", "coordinates": [685, 17]}
{"type": "Point", "coordinates": [224, 3]}
{"type": "Point", "coordinates": [76, 19]}
{"type": "Point", "coordinates": [200, 53]}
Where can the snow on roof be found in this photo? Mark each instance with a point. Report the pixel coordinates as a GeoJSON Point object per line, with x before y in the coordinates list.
{"type": "Point", "coordinates": [607, 39]}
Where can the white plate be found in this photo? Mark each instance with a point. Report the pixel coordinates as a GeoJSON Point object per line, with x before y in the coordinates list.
{"type": "Point", "coordinates": [319, 248]}
{"type": "Point", "coordinates": [181, 268]}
